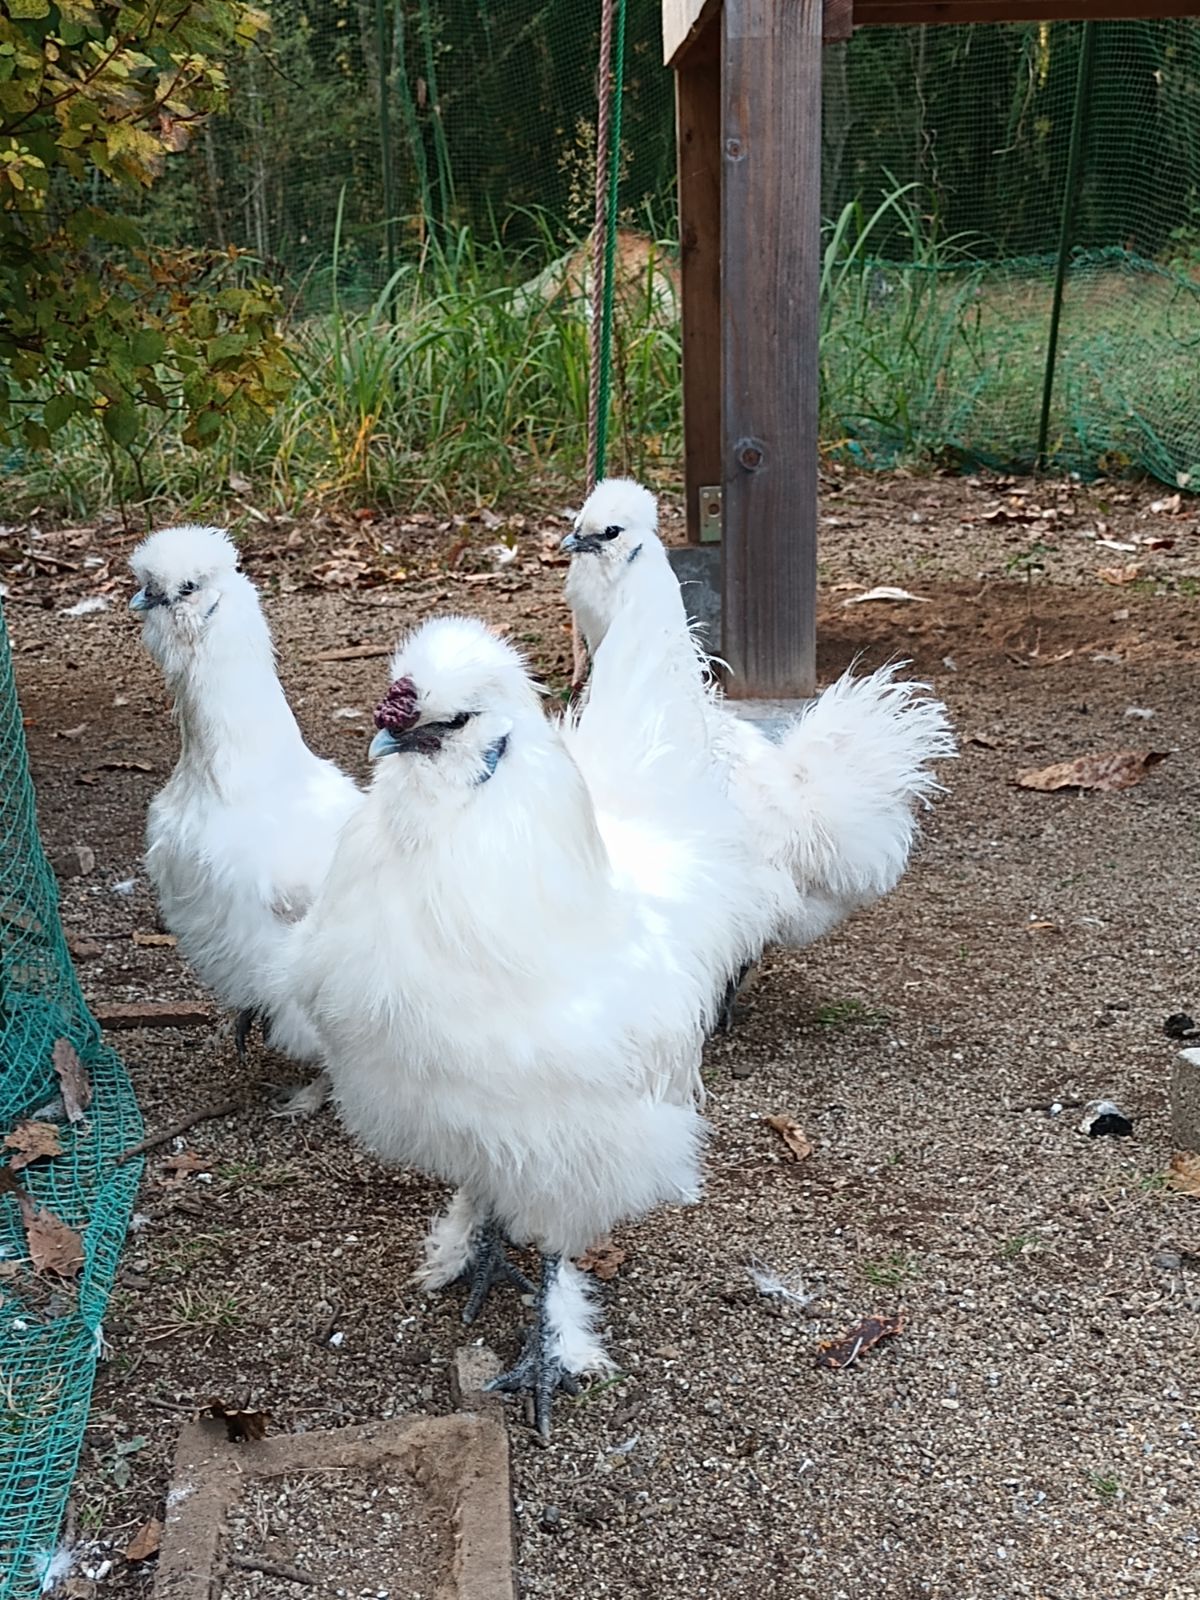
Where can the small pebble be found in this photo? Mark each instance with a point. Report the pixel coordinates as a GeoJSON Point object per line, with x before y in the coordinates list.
{"type": "Point", "coordinates": [1168, 1260]}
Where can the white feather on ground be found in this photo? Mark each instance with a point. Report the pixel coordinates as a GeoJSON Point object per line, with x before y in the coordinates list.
{"type": "Point", "coordinates": [510, 986]}
{"type": "Point", "coordinates": [833, 805]}
{"type": "Point", "coordinates": [242, 834]}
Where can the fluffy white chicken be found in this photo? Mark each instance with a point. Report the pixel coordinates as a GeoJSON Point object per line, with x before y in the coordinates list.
{"type": "Point", "coordinates": [833, 804]}
{"type": "Point", "coordinates": [241, 835]}
{"type": "Point", "coordinates": [511, 990]}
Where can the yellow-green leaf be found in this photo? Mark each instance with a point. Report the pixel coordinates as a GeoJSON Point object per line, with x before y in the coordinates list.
{"type": "Point", "coordinates": [59, 409]}
{"type": "Point", "coordinates": [121, 422]}
{"type": "Point", "coordinates": [148, 347]}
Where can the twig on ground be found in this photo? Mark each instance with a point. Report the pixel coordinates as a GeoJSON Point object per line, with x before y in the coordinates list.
{"type": "Point", "coordinates": [354, 652]}
{"type": "Point", "coordinates": [272, 1569]}
{"type": "Point", "coordinates": [223, 1108]}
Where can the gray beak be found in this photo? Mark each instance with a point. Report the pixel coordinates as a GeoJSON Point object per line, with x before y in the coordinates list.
{"type": "Point", "coordinates": [571, 543]}
{"type": "Point", "coordinates": [383, 744]}
{"type": "Point", "coordinates": [140, 601]}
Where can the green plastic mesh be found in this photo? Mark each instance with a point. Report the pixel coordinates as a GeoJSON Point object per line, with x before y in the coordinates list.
{"type": "Point", "coordinates": [49, 1332]}
{"type": "Point", "coordinates": [935, 341]}
{"type": "Point", "coordinates": [936, 313]}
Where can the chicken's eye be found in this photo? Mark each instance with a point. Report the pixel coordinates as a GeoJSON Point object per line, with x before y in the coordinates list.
{"type": "Point", "coordinates": [460, 721]}
{"type": "Point", "coordinates": [610, 533]}
{"type": "Point", "coordinates": [187, 588]}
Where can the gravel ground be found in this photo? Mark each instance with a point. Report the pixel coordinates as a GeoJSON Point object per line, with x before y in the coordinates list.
{"type": "Point", "coordinates": [301, 1523]}
{"type": "Point", "coordinates": [1033, 1429]}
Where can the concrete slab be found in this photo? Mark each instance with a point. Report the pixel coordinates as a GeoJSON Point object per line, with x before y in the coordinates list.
{"type": "Point", "coordinates": [1185, 1101]}
{"type": "Point", "coordinates": [419, 1507]}
{"type": "Point", "coordinates": [698, 568]}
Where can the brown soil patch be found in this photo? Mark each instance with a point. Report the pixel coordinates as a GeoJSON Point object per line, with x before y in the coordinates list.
{"type": "Point", "coordinates": [1033, 1431]}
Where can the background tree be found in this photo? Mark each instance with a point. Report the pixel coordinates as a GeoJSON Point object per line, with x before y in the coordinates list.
{"type": "Point", "coordinates": [95, 98]}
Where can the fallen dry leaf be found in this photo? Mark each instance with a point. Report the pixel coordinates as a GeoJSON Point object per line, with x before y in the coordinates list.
{"type": "Point", "coordinates": [1170, 505]}
{"type": "Point", "coordinates": [32, 1141]}
{"type": "Point", "coordinates": [82, 948]}
{"type": "Point", "coordinates": [53, 1247]}
{"type": "Point", "coordinates": [240, 1424]}
{"type": "Point", "coordinates": [1007, 514]}
{"type": "Point", "coordinates": [130, 765]}
{"type": "Point", "coordinates": [885, 591]}
{"type": "Point", "coordinates": [154, 941]}
{"type": "Point", "coordinates": [1119, 575]}
{"type": "Point", "coordinates": [145, 1541]}
{"type": "Point", "coordinates": [792, 1134]}
{"type": "Point", "coordinates": [1042, 927]}
{"type": "Point", "coordinates": [185, 1162]}
{"type": "Point", "coordinates": [845, 1350]}
{"type": "Point", "coordinates": [1107, 770]}
{"type": "Point", "coordinates": [73, 1075]}
{"type": "Point", "coordinates": [602, 1259]}
{"type": "Point", "coordinates": [1185, 1174]}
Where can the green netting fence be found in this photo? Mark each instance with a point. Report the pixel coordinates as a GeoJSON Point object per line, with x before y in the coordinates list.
{"type": "Point", "coordinates": [422, 119]}
{"type": "Point", "coordinates": [50, 1329]}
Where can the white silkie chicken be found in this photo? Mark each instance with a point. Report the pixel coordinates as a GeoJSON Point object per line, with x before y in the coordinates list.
{"type": "Point", "coordinates": [833, 804]}
{"type": "Point", "coordinates": [510, 990]}
{"type": "Point", "coordinates": [241, 835]}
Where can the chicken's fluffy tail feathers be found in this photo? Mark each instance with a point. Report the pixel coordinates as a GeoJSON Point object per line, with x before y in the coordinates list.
{"type": "Point", "coordinates": [858, 766]}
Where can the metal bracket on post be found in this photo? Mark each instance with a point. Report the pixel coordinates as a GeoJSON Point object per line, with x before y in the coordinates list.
{"type": "Point", "coordinates": [710, 513]}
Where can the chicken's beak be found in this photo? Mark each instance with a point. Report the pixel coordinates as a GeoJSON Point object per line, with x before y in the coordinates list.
{"type": "Point", "coordinates": [571, 543]}
{"type": "Point", "coordinates": [140, 602]}
{"type": "Point", "coordinates": [421, 740]}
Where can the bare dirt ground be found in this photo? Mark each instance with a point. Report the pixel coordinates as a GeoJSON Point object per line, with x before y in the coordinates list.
{"type": "Point", "coordinates": [1033, 1430]}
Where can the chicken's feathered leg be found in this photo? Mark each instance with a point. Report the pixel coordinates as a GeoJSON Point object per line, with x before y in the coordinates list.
{"type": "Point", "coordinates": [303, 1101]}
{"type": "Point", "coordinates": [488, 1266]}
{"type": "Point", "coordinates": [242, 1027]}
{"type": "Point", "coordinates": [727, 1013]}
{"type": "Point", "coordinates": [540, 1370]}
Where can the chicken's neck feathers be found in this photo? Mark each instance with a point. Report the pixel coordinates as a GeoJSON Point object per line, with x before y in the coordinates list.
{"type": "Point", "coordinates": [233, 715]}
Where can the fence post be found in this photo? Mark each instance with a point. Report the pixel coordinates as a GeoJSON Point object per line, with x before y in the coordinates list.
{"type": "Point", "coordinates": [770, 341]}
{"type": "Point", "coordinates": [1083, 87]}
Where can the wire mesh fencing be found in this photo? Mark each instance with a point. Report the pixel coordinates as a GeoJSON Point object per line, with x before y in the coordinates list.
{"type": "Point", "coordinates": [62, 1218]}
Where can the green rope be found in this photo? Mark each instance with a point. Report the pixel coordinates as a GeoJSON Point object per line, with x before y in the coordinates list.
{"type": "Point", "coordinates": [610, 241]}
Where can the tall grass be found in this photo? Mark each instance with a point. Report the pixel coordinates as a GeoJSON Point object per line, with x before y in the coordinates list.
{"type": "Point", "coordinates": [462, 381]}
{"type": "Point", "coordinates": [465, 379]}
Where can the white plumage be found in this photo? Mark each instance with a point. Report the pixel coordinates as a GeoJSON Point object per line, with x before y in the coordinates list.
{"type": "Point", "coordinates": [509, 982]}
{"type": "Point", "coordinates": [832, 806]}
{"type": "Point", "coordinates": [242, 834]}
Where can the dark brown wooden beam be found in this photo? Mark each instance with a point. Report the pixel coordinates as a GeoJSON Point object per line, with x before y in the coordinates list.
{"type": "Point", "coordinates": [770, 272]}
{"type": "Point", "coordinates": [891, 13]}
{"type": "Point", "coordinates": [838, 23]}
{"type": "Point", "coordinates": [698, 129]}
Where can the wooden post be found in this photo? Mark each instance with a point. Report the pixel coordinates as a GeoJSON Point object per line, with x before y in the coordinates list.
{"type": "Point", "coordinates": [698, 132]}
{"type": "Point", "coordinates": [770, 275]}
